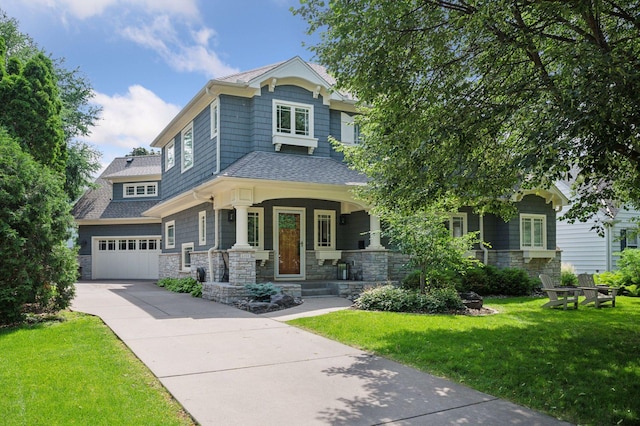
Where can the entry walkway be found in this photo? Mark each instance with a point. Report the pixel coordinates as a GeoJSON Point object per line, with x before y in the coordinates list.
{"type": "Point", "coordinates": [230, 367]}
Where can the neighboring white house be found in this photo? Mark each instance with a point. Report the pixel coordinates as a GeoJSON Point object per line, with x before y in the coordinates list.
{"type": "Point", "coordinates": [589, 252]}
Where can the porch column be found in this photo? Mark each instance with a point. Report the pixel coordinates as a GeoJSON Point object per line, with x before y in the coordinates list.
{"type": "Point", "coordinates": [374, 234]}
{"type": "Point", "coordinates": [242, 228]}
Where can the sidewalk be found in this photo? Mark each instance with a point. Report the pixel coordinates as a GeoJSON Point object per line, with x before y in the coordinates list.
{"type": "Point", "coordinates": [230, 367]}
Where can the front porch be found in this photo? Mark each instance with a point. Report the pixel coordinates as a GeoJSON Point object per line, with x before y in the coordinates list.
{"type": "Point", "coordinates": [228, 294]}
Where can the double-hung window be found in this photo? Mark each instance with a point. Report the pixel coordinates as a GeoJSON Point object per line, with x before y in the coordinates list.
{"type": "Point", "coordinates": [187, 248]}
{"type": "Point", "coordinates": [170, 155]}
{"type": "Point", "coordinates": [457, 224]}
{"type": "Point", "coordinates": [325, 229]}
{"type": "Point", "coordinates": [187, 147]}
{"type": "Point", "coordinates": [349, 129]}
{"type": "Point", "coordinates": [256, 227]}
{"type": "Point", "coordinates": [533, 231]}
{"type": "Point", "coordinates": [170, 234]}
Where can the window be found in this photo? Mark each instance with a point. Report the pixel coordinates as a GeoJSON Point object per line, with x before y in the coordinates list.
{"type": "Point", "coordinates": [169, 155]}
{"type": "Point", "coordinates": [293, 119]}
{"type": "Point", "coordinates": [349, 130]}
{"type": "Point", "coordinates": [202, 228]}
{"type": "Point", "coordinates": [325, 229]}
{"type": "Point", "coordinates": [457, 224]}
{"type": "Point", "coordinates": [187, 248]}
{"type": "Point", "coordinates": [533, 231]}
{"type": "Point", "coordinates": [215, 117]}
{"type": "Point", "coordinates": [142, 189]}
{"type": "Point", "coordinates": [628, 238]}
{"type": "Point", "coordinates": [170, 234]}
{"type": "Point", "coordinates": [256, 227]}
{"type": "Point", "coordinates": [187, 147]}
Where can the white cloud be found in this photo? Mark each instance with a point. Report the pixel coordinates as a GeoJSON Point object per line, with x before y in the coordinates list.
{"type": "Point", "coordinates": [131, 120]}
{"type": "Point", "coordinates": [84, 9]}
{"type": "Point", "coordinates": [194, 55]}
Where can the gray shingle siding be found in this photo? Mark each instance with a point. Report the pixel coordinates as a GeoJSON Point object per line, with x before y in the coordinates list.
{"type": "Point", "coordinates": [175, 181]}
{"type": "Point", "coordinates": [236, 128]}
{"type": "Point", "coordinates": [87, 232]}
{"type": "Point", "coordinates": [335, 130]}
{"type": "Point", "coordinates": [186, 228]}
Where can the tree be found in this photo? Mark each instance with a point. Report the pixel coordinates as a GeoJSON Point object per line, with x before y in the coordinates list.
{"type": "Point", "coordinates": [431, 247]}
{"type": "Point", "coordinates": [77, 113]}
{"type": "Point", "coordinates": [473, 100]}
{"type": "Point", "coordinates": [37, 268]}
{"type": "Point", "coordinates": [30, 108]}
{"type": "Point", "coordinates": [142, 151]}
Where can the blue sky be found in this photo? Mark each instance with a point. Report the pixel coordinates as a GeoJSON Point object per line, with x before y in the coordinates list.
{"type": "Point", "coordinates": [147, 58]}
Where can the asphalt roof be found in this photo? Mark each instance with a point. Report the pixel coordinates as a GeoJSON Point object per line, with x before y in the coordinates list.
{"type": "Point", "coordinates": [98, 204]}
{"type": "Point", "coordinates": [293, 168]}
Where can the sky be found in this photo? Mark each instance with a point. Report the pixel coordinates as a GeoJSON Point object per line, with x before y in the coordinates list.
{"type": "Point", "coordinates": [145, 59]}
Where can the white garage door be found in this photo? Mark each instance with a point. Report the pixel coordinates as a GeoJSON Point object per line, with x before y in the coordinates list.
{"type": "Point", "coordinates": [125, 257]}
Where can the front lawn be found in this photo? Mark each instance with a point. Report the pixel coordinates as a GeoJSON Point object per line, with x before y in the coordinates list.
{"type": "Point", "coordinates": [582, 366]}
{"type": "Point", "coordinates": [78, 372]}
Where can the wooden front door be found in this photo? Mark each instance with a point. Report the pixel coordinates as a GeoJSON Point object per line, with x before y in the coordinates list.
{"type": "Point", "coordinates": [290, 237]}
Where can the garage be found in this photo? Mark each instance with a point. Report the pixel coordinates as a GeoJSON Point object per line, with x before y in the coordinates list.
{"type": "Point", "coordinates": [125, 257]}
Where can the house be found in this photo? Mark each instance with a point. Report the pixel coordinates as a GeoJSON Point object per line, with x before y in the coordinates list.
{"type": "Point", "coordinates": [115, 240]}
{"type": "Point", "coordinates": [253, 191]}
{"type": "Point", "coordinates": [588, 251]}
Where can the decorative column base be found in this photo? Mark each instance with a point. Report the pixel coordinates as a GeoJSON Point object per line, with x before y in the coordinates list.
{"type": "Point", "coordinates": [375, 265]}
{"type": "Point", "coordinates": [242, 267]}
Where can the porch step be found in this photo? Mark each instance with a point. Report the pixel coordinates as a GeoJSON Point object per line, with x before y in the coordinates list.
{"type": "Point", "coordinates": [318, 290]}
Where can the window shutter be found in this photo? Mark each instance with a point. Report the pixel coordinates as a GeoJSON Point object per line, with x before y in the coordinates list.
{"type": "Point", "coordinates": [623, 239]}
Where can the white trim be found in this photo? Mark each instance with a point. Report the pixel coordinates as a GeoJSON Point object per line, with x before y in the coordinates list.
{"type": "Point", "coordinates": [202, 228]}
{"type": "Point", "coordinates": [260, 212]}
{"type": "Point", "coordinates": [167, 243]}
{"type": "Point", "coordinates": [183, 258]}
{"type": "Point", "coordinates": [187, 129]}
{"type": "Point", "coordinates": [332, 230]}
{"type": "Point", "coordinates": [302, 212]}
{"type": "Point", "coordinates": [170, 146]}
{"type": "Point", "coordinates": [145, 186]}
{"type": "Point", "coordinates": [533, 218]}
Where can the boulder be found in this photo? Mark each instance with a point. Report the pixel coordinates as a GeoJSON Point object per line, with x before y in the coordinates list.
{"type": "Point", "coordinates": [471, 300]}
{"type": "Point", "coordinates": [282, 299]}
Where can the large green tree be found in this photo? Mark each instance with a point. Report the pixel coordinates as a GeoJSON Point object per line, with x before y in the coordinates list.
{"type": "Point", "coordinates": [37, 268]}
{"type": "Point", "coordinates": [469, 100]}
{"type": "Point", "coordinates": [77, 113]}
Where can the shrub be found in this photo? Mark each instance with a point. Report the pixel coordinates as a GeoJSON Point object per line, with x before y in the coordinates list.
{"type": "Point", "coordinates": [395, 299]}
{"type": "Point", "coordinates": [568, 277]}
{"type": "Point", "coordinates": [488, 280]}
{"type": "Point", "coordinates": [262, 292]}
{"type": "Point", "coordinates": [182, 285]}
{"type": "Point", "coordinates": [411, 281]}
{"type": "Point", "coordinates": [612, 279]}
{"type": "Point", "coordinates": [629, 266]}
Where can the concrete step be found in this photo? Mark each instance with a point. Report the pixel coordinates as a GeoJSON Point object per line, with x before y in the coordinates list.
{"type": "Point", "coordinates": [318, 289]}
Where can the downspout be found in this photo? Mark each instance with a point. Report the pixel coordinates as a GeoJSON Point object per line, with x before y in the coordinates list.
{"type": "Point", "coordinates": [485, 250]}
{"type": "Point", "coordinates": [216, 240]}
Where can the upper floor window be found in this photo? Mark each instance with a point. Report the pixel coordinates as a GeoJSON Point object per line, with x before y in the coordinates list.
{"type": "Point", "coordinates": [293, 119]}
{"type": "Point", "coordinates": [256, 227]}
{"type": "Point", "coordinates": [215, 117]}
{"type": "Point", "coordinates": [628, 238]}
{"type": "Point", "coordinates": [457, 224]}
{"type": "Point", "coordinates": [170, 155]}
{"type": "Point", "coordinates": [187, 147]}
{"type": "Point", "coordinates": [141, 189]}
{"type": "Point", "coordinates": [325, 229]}
{"type": "Point", "coordinates": [349, 129]}
{"type": "Point", "coordinates": [170, 234]}
{"type": "Point", "coordinates": [533, 233]}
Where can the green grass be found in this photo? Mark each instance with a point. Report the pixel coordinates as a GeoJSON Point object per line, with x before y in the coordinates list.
{"type": "Point", "coordinates": [582, 366]}
{"type": "Point", "coordinates": [78, 372]}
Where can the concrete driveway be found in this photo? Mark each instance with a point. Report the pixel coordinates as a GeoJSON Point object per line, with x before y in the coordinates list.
{"type": "Point", "coordinates": [230, 367]}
